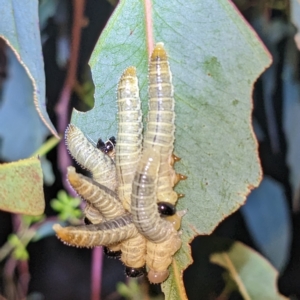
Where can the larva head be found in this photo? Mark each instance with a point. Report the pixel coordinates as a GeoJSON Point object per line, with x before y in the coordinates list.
{"type": "Point", "coordinates": [110, 253]}
{"type": "Point", "coordinates": [135, 272]}
{"type": "Point", "coordinates": [166, 209]}
{"type": "Point", "coordinates": [108, 146]}
{"type": "Point", "coordinates": [159, 52]}
{"type": "Point", "coordinates": [157, 276]}
{"type": "Point", "coordinates": [87, 221]}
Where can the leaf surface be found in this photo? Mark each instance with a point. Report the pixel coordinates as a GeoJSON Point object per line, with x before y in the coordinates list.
{"type": "Point", "coordinates": [215, 58]}
{"type": "Point", "coordinates": [21, 187]}
{"type": "Point", "coordinates": [267, 216]}
{"type": "Point", "coordinates": [21, 130]}
{"type": "Point", "coordinates": [252, 273]}
{"type": "Point", "coordinates": [19, 27]}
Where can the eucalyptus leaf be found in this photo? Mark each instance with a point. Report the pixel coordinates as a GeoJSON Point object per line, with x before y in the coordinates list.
{"type": "Point", "coordinates": [252, 273]}
{"type": "Point", "coordinates": [21, 187]}
{"type": "Point", "coordinates": [19, 27]}
{"type": "Point", "coordinates": [267, 217]}
{"type": "Point", "coordinates": [215, 58]}
{"type": "Point", "coordinates": [22, 131]}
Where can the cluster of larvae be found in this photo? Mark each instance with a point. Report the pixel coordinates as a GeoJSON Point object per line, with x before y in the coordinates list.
{"type": "Point", "coordinates": [130, 201]}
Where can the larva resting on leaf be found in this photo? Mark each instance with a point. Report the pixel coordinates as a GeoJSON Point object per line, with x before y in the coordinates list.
{"type": "Point", "coordinates": [127, 154]}
{"type": "Point", "coordinates": [161, 122]}
{"type": "Point", "coordinates": [89, 157]}
{"type": "Point", "coordinates": [160, 256]}
{"type": "Point", "coordinates": [100, 197]}
{"type": "Point", "coordinates": [129, 138]}
{"type": "Point", "coordinates": [94, 160]}
{"type": "Point", "coordinates": [150, 234]}
{"type": "Point", "coordinates": [134, 255]}
{"type": "Point", "coordinates": [103, 234]}
{"type": "Point", "coordinates": [143, 199]}
{"type": "Point", "coordinates": [92, 215]}
{"type": "Point", "coordinates": [162, 238]}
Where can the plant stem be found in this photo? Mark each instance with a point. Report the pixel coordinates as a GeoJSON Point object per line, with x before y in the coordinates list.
{"type": "Point", "coordinates": [96, 273]}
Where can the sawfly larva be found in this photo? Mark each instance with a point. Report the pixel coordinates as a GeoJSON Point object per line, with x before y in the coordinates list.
{"type": "Point", "coordinates": [160, 255]}
{"type": "Point", "coordinates": [134, 249]}
{"type": "Point", "coordinates": [161, 122]}
{"type": "Point", "coordinates": [100, 197]}
{"type": "Point", "coordinates": [92, 215]}
{"type": "Point", "coordinates": [129, 138]}
{"type": "Point", "coordinates": [134, 252]}
{"type": "Point", "coordinates": [103, 234]}
{"type": "Point", "coordinates": [144, 210]}
{"type": "Point", "coordinates": [91, 158]}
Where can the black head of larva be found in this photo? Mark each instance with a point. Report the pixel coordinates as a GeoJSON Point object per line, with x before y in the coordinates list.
{"type": "Point", "coordinates": [166, 209]}
{"type": "Point", "coordinates": [108, 146]}
{"type": "Point", "coordinates": [135, 272]}
{"type": "Point", "coordinates": [112, 254]}
{"type": "Point", "coordinates": [87, 221]}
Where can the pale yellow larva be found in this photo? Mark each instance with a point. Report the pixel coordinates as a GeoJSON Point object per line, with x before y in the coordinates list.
{"type": "Point", "coordinates": [99, 196]}
{"type": "Point", "coordinates": [89, 157]}
{"type": "Point", "coordinates": [144, 210]}
{"type": "Point", "coordinates": [160, 122]}
{"type": "Point", "coordinates": [103, 234]}
{"type": "Point", "coordinates": [160, 255]}
{"type": "Point", "coordinates": [92, 215]}
{"type": "Point", "coordinates": [134, 252]}
{"type": "Point", "coordinates": [129, 138]}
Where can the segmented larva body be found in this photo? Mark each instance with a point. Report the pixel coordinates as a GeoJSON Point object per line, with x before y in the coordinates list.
{"type": "Point", "coordinates": [99, 196]}
{"type": "Point", "coordinates": [159, 257]}
{"type": "Point", "coordinates": [129, 138]}
{"type": "Point", "coordinates": [92, 215]}
{"type": "Point", "coordinates": [160, 123]}
{"type": "Point", "coordinates": [103, 234]}
{"type": "Point", "coordinates": [134, 252]}
{"type": "Point", "coordinates": [143, 199]}
{"type": "Point", "coordinates": [89, 157]}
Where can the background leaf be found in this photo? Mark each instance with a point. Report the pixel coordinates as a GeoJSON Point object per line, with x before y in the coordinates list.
{"type": "Point", "coordinates": [19, 26]}
{"type": "Point", "coordinates": [21, 129]}
{"type": "Point", "coordinates": [267, 216]}
{"type": "Point", "coordinates": [21, 187]}
{"type": "Point", "coordinates": [295, 16]}
{"type": "Point", "coordinates": [253, 274]}
{"type": "Point", "coordinates": [215, 58]}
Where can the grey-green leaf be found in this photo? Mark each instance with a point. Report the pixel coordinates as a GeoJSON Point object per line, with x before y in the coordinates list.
{"type": "Point", "coordinates": [19, 26]}
{"type": "Point", "coordinates": [254, 276]}
{"type": "Point", "coordinates": [215, 58]}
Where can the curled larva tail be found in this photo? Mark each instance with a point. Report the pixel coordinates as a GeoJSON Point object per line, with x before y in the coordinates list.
{"type": "Point", "coordinates": [129, 139]}
{"type": "Point", "coordinates": [159, 257]}
{"type": "Point", "coordinates": [144, 210]}
{"type": "Point", "coordinates": [102, 198]}
{"type": "Point", "coordinates": [104, 234]}
{"type": "Point", "coordinates": [89, 157]}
